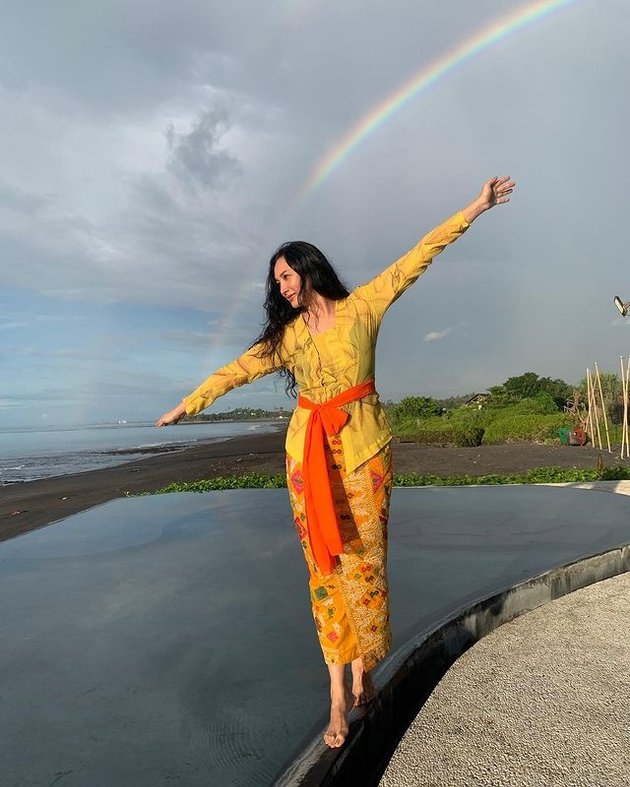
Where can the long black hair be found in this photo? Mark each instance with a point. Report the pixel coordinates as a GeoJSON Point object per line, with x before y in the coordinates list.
{"type": "Point", "coordinates": [317, 276]}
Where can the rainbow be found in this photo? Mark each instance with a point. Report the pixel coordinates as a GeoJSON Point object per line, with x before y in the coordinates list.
{"type": "Point", "coordinates": [423, 79]}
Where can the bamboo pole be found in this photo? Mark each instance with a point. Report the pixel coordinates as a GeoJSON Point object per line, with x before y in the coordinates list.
{"type": "Point", "coordinates": [623, 401]}
{"type": "Point", "coordinates": [625, 407]}
{"type": "Point", "coordinates": [590, 427]}
{"type": "Point", "coordinates": [591, 423]}
{"type": "Point", "coordinates": [625, 384]}
{"type": "Point", "coordinates": [589, 420]}
{"type": "Point", "coordinates": [593, 404]}
{"type": "Point", "coordinates": [601, 396]}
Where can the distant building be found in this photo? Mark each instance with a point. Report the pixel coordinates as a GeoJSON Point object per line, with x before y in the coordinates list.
{"type": "Point", "coordinates": [477, 400]}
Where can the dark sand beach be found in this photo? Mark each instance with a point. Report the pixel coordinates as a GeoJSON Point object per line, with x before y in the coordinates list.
{"type": "Point", "coordinates": [26, 506]}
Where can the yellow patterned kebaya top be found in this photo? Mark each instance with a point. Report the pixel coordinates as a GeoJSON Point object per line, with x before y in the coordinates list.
{"type": "Point", "coordinates": [327, 363]}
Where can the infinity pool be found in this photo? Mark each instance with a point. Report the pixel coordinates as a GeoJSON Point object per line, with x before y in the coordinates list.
{"type": "Point", "coordinates": [168, 639]}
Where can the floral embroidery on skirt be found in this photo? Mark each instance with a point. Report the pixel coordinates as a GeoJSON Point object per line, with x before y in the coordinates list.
{"type": "Point", "coordinates": [351, 605]}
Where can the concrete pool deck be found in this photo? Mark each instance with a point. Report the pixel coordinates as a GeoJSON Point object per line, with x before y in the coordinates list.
{"type": "Point", "coordinates": [543, 700]}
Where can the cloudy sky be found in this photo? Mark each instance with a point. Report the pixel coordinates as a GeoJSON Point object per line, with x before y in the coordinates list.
{"type": "Point", "coordinates": [154, 154]}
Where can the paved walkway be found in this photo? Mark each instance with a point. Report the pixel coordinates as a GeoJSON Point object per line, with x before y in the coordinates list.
{"type": "Point", "coordinates": [543, 701]}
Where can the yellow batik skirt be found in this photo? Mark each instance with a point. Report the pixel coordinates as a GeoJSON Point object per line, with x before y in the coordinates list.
{"type": "Point", "coordinates": [351, 605]}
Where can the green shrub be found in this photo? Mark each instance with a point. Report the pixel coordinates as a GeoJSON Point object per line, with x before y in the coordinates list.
{"type": "Point", "coordinates": [249, 481]}
{"type": "Point", "coordinates": [536, 428]}
{"type": "Point", "coordinates": [469, 435]}
{"type": "Point", "coordinates": [537, 475]}
{"type": "Point", "coordinates": [542, 403]}
{"type": "Point", "coordinates": [468, 416]}
{"type": "Point", "coordinates": [415, 407]}
{"type": "Point", "coordinates": [445, 434]}
{"type": "Point", "coordinates": [409, 426]}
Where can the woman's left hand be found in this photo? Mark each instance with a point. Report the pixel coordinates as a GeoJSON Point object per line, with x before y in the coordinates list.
{"type": "Point", "coordinates": [493, 192]}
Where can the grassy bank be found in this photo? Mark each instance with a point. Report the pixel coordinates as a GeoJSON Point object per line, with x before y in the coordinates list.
{"type": "Point", "coordinates": [539, 475]}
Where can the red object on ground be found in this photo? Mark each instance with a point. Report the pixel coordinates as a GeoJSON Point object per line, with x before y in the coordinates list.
{"type": "Point", "coordinates": [577, 437]}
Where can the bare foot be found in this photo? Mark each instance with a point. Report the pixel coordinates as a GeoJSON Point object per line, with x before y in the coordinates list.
{"type": "Point", "coordinates": [362, 685]}
{"type": "Point", "coordinates": [337, 731]}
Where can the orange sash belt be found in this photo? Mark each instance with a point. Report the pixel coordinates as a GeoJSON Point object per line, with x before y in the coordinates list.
{"type": "Point", "coordinates": [325, 419]}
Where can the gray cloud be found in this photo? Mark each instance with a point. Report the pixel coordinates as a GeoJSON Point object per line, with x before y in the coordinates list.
{"type": "Point", "coordinates": [17, 200]}
{"type": "Point", "coordinates": [195, 156]}
{"type": "Point", "coordinates": [177, 229]}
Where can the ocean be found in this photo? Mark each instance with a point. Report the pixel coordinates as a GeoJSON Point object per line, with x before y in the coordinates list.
{"type": "Point", "coordinates": [43, 452]}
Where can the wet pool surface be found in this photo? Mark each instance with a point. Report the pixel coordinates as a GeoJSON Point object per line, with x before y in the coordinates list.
{"type": "Point", "coordinates": [168, 639]}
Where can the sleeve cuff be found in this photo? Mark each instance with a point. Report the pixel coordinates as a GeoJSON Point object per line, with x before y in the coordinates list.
{"type": "Point", "coordinates": [462, 219]}
{"type": "Point", "coordinates": [192, 405]}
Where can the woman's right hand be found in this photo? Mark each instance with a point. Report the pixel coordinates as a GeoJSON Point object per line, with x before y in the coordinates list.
{"type": "Point", "coordinates": [172, 416]}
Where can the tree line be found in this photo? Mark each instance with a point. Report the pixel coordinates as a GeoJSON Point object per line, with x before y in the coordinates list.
{"type": "Point", "coordinates": [552, 395]}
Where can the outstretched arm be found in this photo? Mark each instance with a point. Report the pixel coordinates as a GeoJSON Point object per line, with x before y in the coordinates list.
{"type": "Point", "coordinates": [389, 285]}
{"type": "Point", "coordinates": [245, 369]}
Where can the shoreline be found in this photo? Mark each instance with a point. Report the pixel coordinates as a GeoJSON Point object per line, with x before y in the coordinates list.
{"type": "Point", "coordinates": [29, 505]}
{"type": "Point", "coordinates": [45, 464]}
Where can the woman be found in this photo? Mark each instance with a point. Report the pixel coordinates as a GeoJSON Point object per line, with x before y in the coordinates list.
{"type": "Point", "coordinates": [323, 338]}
